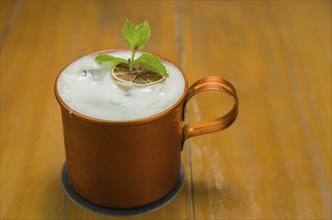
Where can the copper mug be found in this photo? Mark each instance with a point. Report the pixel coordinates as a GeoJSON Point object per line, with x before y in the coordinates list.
{"type": "Point", "coordinates": [127, 164]}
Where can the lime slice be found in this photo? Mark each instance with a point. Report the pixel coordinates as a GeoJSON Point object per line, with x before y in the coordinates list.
{"type": "Point", "coordinates": [138, 77]}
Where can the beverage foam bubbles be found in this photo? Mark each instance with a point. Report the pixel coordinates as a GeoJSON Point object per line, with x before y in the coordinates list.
{"type": "Point", "coordinates": [90, 89]}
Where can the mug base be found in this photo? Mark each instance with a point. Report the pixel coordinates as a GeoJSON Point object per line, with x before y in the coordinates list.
{"type": "Point", "coordinates": [80, 201]}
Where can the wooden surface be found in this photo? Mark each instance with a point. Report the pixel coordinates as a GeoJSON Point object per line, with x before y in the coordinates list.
{"type": "Point", "coordinates": [273, 163]}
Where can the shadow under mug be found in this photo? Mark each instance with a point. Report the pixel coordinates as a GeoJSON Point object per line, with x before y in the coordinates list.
{"type": "Point", "coordinates": [127, 164]}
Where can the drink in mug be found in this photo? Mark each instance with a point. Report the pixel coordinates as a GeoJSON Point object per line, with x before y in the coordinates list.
{"type": "Point", "coordinates": [123, 143]}
{"type": "Point", "coordinates": [89, 88]}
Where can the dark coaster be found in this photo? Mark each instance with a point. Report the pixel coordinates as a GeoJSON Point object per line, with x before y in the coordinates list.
{"type": "Point", "coordinates": [80, 201]}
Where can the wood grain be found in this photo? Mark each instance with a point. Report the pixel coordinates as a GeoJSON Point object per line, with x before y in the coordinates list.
{"type": "Point", "coordinates": [273, 163]}
{"type": "Point", "coordinates": [7, 12]}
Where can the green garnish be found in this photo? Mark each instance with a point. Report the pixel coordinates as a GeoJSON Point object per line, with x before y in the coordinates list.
{"type": "Point", "coordinates": [136, 38]}
{"type": "Point", "coordinates": [152, 63]}
{"type": "Point", "coordinates": [106, 57]}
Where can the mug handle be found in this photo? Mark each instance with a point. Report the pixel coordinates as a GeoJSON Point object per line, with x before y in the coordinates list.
{"type": "Point", "coordinates": [214, 125]}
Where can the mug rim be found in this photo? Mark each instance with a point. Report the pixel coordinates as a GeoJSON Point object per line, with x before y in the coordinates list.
{"type": "Point", "coordinates": [138, 121]}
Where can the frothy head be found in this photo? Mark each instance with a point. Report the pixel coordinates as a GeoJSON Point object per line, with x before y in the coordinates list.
{"type": "Point", "coordinates": [89, 88]}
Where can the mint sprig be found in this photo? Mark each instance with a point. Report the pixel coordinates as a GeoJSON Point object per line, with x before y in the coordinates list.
{"type": "Point", "coordinates": [136, 38]}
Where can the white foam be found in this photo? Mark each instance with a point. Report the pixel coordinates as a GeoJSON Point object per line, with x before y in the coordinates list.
{"type": "Point", "coordinates": [97, 95]}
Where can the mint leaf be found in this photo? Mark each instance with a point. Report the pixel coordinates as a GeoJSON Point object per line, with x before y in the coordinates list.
{"type": "Point", "coordinates": [108, 58]}
{"type": "Point", "coordinates": [136, 36]}
{"type": "Point", "coordinates": [151, 62]}
{"type": "Point", "coordinates": [128, 31]}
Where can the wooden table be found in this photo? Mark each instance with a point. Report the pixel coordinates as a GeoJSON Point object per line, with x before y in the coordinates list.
{"type": "Point", "coordinates": [273, 163]}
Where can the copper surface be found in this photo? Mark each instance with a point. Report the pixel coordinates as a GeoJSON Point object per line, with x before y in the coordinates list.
{"type": "Point", "coordinates": [218, 124]}
{"type": "Point", "coordinates": [123, 166]}
{"type": "Point", "coordinates": [133, 163]}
